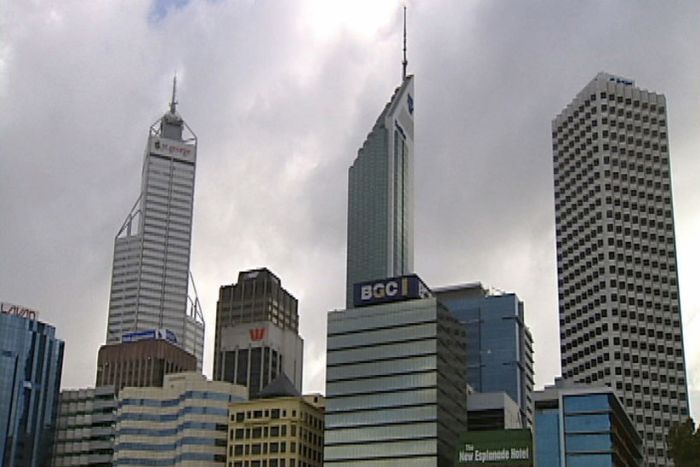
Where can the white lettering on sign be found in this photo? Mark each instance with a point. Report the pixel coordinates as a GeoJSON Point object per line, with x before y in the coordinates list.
{"type": "Point", "coordinates": [380, 290]}
{"type": "Point", "coordinates": [18, 310]}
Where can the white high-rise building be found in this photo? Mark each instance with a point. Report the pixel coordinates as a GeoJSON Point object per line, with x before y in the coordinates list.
{"type": "Point", "coordinates": [150, 272]}
{"type": "Point", "coordinates": [380, 196]}
{"type": "Point", "coordinates": [619, 307]}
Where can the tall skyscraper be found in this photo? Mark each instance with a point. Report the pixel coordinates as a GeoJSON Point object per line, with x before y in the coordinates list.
{"type": "Point", "coordinates": [619, 308]}
{"type": "Point", "coordinates": [257, 332]}
{"type": "Point", "coordinates": [150, 272]}
{"type": "Point", "coordinates": [499, 344]}
{"type": "Point", "coordinates": [380, 194]}
{"type": "Point", "coordinates": [31, 363]}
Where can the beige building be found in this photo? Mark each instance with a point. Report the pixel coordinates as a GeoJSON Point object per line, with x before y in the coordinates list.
{"type": "Point", "coordinates": [280, 429]}
{"type": "Point", "coordinates": [183, 423]}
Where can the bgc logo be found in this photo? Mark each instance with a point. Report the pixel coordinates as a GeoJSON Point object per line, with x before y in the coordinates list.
{"type": "Point", "coordinates": [389, 290]}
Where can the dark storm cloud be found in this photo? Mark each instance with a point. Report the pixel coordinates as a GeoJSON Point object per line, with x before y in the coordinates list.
{"type": "Point", "coordinates": [280, 103]}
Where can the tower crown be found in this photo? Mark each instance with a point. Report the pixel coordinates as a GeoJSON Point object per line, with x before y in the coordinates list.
{"type": "Point", "coordinates": [171, 124]}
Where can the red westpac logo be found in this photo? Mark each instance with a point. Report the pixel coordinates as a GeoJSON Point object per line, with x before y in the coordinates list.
{"type": "Point", "coordinates": [257, 334]}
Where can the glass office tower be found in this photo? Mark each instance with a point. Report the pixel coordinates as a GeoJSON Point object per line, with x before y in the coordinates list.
{"type": "Point", "coordinates": [619, 305]}
{"type": "Point", "coordinates": [499, 344]}
{"type": "Point", "coordinates": [31, 361]}
{"type": "Point", "coordinates": [380, 196]}
{"type": "Point", "coordinates": [150, 272]}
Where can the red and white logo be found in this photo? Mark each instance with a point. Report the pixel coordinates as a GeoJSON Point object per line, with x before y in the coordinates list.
{"type": "Point", "coordinates": [257, 334]}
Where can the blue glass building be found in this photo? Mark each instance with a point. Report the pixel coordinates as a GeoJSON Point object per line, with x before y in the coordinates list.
{"type": "Point", "coordinates": [31, 361]}
{"type": "Point", "coordinates": [583, 426]}
{"type": "Point", "coordinates": [499, 345]}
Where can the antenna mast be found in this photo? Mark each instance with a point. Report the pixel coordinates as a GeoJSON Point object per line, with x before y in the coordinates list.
{"type": "Point", "coordinates": [173, 102]}
{"type": "Point", "coordinates": [405, 62]}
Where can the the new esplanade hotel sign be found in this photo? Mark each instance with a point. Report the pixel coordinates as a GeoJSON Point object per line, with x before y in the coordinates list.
{"type": "Point", "coordinates": [394, 289]}
{"type": "Point", "coordinates": [498, 448]}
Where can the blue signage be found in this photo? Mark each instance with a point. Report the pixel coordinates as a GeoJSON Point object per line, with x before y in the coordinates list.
{"type": "Point", "coordinates": [394, 289]}
{"type": "Point", "coordinates": [165, 334]}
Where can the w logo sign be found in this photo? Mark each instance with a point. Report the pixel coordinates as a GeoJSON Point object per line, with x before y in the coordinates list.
{"type": "Point", "coordinates": [257, 334]}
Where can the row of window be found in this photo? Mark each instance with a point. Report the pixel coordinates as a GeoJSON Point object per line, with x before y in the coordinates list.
{"type": "Point", "coordinates": [281, 462]}
{"type": "Point", "coordinates": [263, 449]}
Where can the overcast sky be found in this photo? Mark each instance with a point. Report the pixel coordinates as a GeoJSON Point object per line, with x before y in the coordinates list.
{"type": "Point", "coordinates": [281, 95]}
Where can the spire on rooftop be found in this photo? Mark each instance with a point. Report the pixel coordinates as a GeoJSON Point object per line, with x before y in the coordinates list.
{"type": "Point", "coordinates": [173, 102]}
{"type": "Point", "coordinates": [404, 62]}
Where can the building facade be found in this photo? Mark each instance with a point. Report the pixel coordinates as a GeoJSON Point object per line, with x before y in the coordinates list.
{"type": "Point", "coordinates": [150, 270]}
{"type": "Point", "coordinates": [85, 428]}
{"type": "Point", "coordinates": [499, 344]}
{"type": "Point", "coordinates": [142, 363]}
{"type": "Point", "coordinates": [184, 423]}
{"type": "Point", "coordinates": [31, 362]}
{"type": "Point", "coordinates": [583, 426]}
{"type": "Point", "coordinates": [619, 306]}
{"type": "Point", "coordinates": [492, 411]}
{"type": "Point", "coordinates": [276, 430]}
{"type": "Point", "coordinates": [257, 332]}
{"type": "Point", "coordinates": [395, 384]}
{"type": "Point", "coordinates": [380, 196]}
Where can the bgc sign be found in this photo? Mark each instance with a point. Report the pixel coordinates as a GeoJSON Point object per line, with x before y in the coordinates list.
{"type": "Point", "coordinates": [394, 289]}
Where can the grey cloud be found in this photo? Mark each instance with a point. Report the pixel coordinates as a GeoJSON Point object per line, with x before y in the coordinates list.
{"type": "Point", "coordinates": [280, 114]}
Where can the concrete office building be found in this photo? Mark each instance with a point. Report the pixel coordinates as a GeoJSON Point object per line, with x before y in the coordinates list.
{"type": "Point", "coordinates": [488, 411]}
{"type": "Point", "coordinates": [580, 426]}
{"type": "Point", "coordinates": [257, 332]}
{"type": "Point", "coordinates": [184, 423]}
{"type": "Point", "coordinates": [619, 307]}
{"type": "Point", "coordinates": [499, 344]}
{"type": "Point", "coordinates": [380, 194]}
{"type": "Point", "coordinates": [141, 363]}
{"type": "Point", "coordinates": [150, 271]}
{"type": "Point", "coordinates": [85, 427]}
{"type": "Point", "coordinates": [31, 362]}
{"type": "Point", "coordinates": [279, 429]}
{"type": "Point", "coordinates": [395, 378]}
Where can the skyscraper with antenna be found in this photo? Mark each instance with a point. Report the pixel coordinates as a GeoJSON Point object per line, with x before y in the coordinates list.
{"type": "Point", "coordinates": [380, 193]}
{"type": "Point", "coordinates": [150, 271]}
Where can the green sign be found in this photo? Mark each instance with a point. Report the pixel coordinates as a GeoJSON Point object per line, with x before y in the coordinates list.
{"type": "Point", "coordinates": [500, 448]}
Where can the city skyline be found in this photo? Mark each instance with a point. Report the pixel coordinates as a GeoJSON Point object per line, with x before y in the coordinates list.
{"type": "Point", "coordinates": [285, 128]}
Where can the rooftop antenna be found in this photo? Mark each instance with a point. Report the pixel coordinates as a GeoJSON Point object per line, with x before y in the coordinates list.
{"type": "Point", "coordinates": [173, 102]}
{"type": "Point", "coordinates": [405, 62]}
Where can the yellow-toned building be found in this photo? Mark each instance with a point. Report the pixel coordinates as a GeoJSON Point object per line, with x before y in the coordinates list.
{"type": "Point", "coordinates": [281, 429]}
{"type": "Point", "coordinates": [184, 423]}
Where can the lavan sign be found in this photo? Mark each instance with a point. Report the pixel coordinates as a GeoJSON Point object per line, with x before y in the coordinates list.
{"type": "Point", "coordinates": [18, 310]}
{"type": "Point", "coordinates": [390, 290]}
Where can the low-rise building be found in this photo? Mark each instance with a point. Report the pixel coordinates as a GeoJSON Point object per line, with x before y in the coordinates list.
{"type": "Point", "coordinates": [488, 411]}
{"type": "Point", "coordinates": [85, 427]}
{"type": "Point", "coordinates": [184, 423]}
{"type": "Point", "coordinates": [279, 429]}
{"type": "Point", "coordinates": [581, 425]}
{"type": "Point", "coordinates": [141, 363]}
